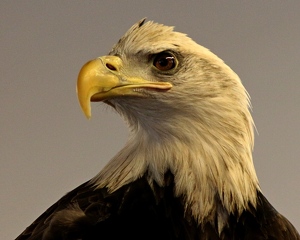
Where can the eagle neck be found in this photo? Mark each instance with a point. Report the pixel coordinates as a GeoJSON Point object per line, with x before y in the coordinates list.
{"type": "Point", "coordinates": [206, 170]}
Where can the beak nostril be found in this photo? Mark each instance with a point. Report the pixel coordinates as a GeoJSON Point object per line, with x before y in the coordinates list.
{"type": "Point", "coordinates": [111, 67]}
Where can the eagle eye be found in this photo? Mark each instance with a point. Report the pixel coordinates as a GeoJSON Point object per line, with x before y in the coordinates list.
{"type": "Point", "coordinates": [164, 61]}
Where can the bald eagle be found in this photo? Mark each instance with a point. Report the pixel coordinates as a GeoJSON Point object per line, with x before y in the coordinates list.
{"type": "Point", "coordinates": [186, 171]}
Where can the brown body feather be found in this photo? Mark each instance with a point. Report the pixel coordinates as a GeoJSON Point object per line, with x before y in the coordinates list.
{"type": "Point", "coordinates": [135, 211]}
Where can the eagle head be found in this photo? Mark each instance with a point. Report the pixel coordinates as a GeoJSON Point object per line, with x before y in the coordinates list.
{"type": "Point", "coordinates": [188, 113]}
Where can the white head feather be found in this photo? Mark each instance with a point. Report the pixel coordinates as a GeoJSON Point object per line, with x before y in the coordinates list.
{"type": "Point", "coordinates": [201, 130]}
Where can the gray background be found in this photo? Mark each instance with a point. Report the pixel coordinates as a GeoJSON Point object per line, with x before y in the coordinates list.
{"type": "Point", "coordinates": [47, 146]}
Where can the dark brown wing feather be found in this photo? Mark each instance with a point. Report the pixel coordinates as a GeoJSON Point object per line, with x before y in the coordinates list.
{"type": "Point", "coordinates": [136, 211]}
{"type": "Point", "coordinates": [37, 228]}
{"type": "Point", "coordinates": [266, 223]}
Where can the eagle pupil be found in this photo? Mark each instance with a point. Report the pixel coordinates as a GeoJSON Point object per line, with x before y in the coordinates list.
{"type": "Point", "coordinates": [163, 62]}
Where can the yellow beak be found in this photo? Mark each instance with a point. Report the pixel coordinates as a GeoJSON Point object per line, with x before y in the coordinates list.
{"type": "Point", "coordinates": [101, 79]}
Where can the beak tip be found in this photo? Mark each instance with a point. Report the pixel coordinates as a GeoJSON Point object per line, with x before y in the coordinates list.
{"type": "Point", "coordinates": [84, 100]}
{"type": "Point", "coordinates": [87, 112]}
